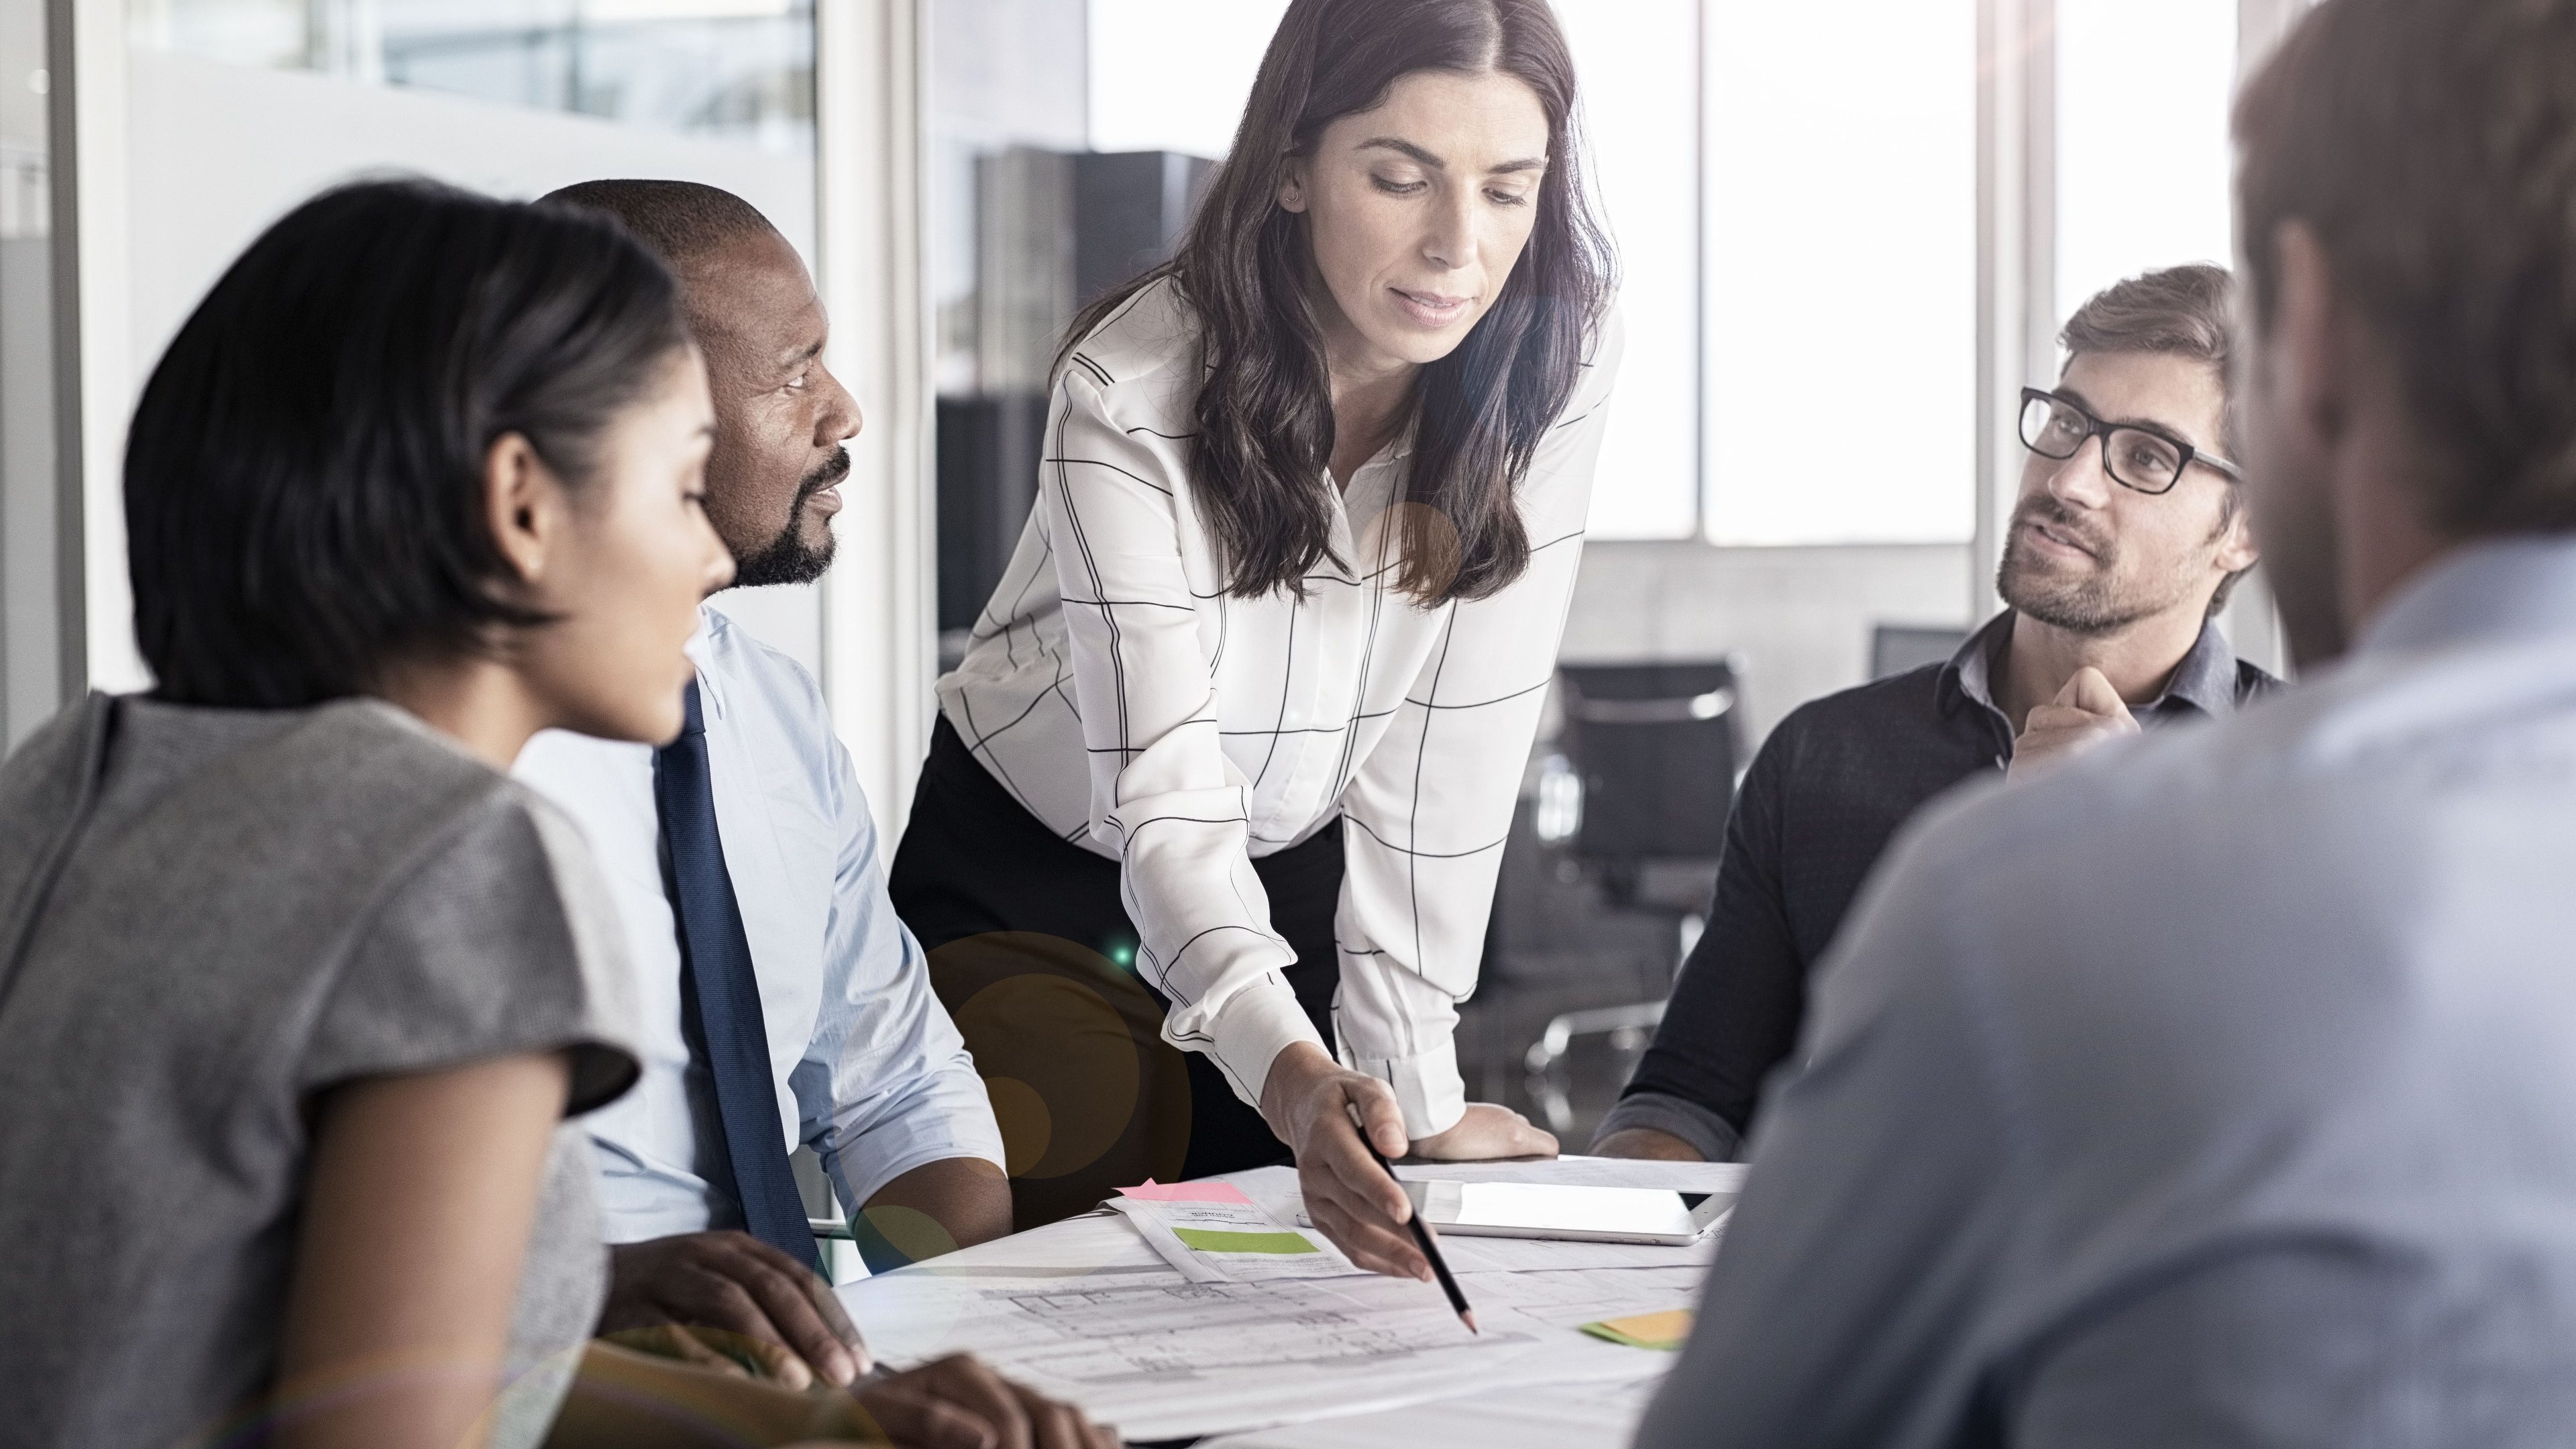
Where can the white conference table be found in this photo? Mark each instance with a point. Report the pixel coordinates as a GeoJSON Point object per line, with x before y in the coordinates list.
{"type": "Point", "coordinates": [1086, 1311]}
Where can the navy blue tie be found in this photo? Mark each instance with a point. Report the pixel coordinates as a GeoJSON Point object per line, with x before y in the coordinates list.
{"type": "Point", "coordinates": [716, 978]}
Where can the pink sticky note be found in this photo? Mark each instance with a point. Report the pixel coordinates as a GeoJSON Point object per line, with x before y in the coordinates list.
{"type": "Point", "coordinates": [1153, 1191]}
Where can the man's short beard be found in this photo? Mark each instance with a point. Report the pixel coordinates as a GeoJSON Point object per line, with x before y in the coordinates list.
{"type": "Point", "coordinates": [2093, 606]}
{"type": "Point", "coordinates": [2090, 607]}
{"type": "Point", "coordinates": [789, 559]}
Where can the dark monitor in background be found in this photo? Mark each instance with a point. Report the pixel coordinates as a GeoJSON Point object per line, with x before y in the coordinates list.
{"type": "Point", "coordinates": [1054, 231]}
{"type": "Point", "coordinates": [1129, 209]}
{"type": "Point", "coordinates": [988, 480]}
{"type": "Point", "coordinates": [1896, 648]}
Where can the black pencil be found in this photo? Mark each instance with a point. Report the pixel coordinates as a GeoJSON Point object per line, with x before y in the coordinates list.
{"type": "Point", "coordinates": [1430, 1245]}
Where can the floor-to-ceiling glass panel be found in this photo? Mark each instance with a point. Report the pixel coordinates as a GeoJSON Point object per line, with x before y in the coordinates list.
{"type": "Point", "coordinates": [1842, 271]}
{"type": "Point", "coordinates": [2143, 156]}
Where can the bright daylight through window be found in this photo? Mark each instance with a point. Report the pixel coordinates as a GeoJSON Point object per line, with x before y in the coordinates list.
{"type": "Point", "coordinates": [2141, 186]}
{"type": "Point", "coordinates": [1842, 265]}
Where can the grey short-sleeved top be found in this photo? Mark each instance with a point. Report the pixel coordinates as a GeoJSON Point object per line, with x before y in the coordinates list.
{"type": "Point", "coordinates": [252, 907]}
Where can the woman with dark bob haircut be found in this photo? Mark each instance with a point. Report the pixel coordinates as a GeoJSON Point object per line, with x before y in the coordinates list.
{"type": "Point", "coordinates": [299, 994]}
{"type": "Point", "coordinates": [1249, 711]}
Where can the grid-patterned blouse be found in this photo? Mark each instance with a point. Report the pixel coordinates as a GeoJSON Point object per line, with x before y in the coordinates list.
{"type": "Point", "coordinates": [1118, 692]}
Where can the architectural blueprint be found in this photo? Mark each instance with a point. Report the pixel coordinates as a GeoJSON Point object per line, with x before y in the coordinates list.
{"type": "Point", "coordinates": [1166, 1359]}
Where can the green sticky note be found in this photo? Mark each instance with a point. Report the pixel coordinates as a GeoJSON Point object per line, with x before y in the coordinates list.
{"type": "Point", "coordinates": [1209, 1241]}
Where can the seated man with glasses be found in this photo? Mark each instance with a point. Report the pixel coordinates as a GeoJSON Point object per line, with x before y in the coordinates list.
{"type": "Point", "coordinates": [2128, 536]}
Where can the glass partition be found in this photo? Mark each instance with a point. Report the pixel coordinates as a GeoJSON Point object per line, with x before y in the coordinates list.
{"type": "Point", "coordinates": [742, 70]}
{"type": "Point", "coordinates": [1841, 401]}
{"type": "Point", "coordinates": [2142, 186]}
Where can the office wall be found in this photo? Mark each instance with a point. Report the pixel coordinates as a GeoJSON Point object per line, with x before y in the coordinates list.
{"type": "Point", "coordinates": [1799, 619]}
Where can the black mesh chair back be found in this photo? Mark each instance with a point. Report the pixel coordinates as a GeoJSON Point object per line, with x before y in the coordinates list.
{"type": "Point", "coordinates": [1656, 746]}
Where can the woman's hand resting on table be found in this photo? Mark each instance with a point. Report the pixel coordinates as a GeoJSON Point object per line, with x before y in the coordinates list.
{"type": "Point", "coordinates": [1484, 1134]}
{"type": "Point", "coordinates": [1311, 1101]}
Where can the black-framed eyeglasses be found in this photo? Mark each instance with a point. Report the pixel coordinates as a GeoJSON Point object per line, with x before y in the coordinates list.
{"type": "Point", "coordinates": [2138, 458]}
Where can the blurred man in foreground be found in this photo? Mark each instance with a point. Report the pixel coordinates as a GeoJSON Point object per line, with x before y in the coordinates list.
{"type": "Point", "coordinates": [2224, 1091]}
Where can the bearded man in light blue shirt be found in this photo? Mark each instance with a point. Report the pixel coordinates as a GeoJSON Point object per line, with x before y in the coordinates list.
{"type": "Point", "coordinates": [2221, 1088]}
{"type": "Point", "coordinates": [783, 1002]}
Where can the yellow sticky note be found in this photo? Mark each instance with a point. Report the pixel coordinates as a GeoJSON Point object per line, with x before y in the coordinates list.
{"type": "Point", "coordinates": [1664, 1330]}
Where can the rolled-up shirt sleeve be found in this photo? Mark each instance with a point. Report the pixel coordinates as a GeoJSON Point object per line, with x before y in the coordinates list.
{"type": "Point", "coordinates": [1163, 795]}
{"type": "Point", "coordinates": [1430, 806]}
{"type": "Point", "coordinates": [886, 1084]}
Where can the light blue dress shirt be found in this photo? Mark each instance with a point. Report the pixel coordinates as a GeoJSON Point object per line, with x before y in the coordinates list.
{"type": "Point", "coordinates": [2218, 1089]}
{"type": "Point", "coordinates": [870, 1071]}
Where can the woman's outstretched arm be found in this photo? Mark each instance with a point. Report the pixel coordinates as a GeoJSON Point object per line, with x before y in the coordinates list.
{"type": "Point", "coordinates": [416, 1217]}
{"type": "Point", "coordinates": [422, 1197]}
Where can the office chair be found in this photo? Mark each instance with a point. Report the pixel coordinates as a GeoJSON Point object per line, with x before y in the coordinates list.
{"type": "Point", "coordinates": [1655, 748]}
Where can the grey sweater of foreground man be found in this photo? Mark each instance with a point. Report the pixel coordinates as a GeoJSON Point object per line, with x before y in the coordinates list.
{"type": "Point", "coordinates": [2219, 1089]}
{"type": "Point", "coordinates": [208, 919]}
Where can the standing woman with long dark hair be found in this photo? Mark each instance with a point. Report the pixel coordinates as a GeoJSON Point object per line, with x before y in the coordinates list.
{"type": "Point", "coordinates": [1248, 712]}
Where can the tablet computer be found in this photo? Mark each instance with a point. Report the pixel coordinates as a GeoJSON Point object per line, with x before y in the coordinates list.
{"type": "Point", "coordinates": [1574, 1214]}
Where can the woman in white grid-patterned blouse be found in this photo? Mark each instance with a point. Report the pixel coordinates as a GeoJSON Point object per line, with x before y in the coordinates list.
{"type": "Point", "coordinates": [1262, 677]}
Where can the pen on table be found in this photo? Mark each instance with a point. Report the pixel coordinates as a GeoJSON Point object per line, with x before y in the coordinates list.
{"type": "Point", "coordinates": [1424, 1239]}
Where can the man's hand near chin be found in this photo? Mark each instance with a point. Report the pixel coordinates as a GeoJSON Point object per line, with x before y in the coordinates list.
{"type": "Point", "coordinates": [2086, 714]}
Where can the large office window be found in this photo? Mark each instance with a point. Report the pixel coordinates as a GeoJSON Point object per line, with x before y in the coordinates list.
{"type": "Point", "coordinates": [1171, 75]}
{"type": "Point", "coordinates": [1793, 191]}
{"type": "Point", "coordinates": [1639, 66]}
{"type": "Point", "coordinates": [2143, 155]}
{"type": "Point", "coordinates": [1842, 272]}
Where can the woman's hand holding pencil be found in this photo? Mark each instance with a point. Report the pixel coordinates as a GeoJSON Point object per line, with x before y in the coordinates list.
{"type": "Point", "coordinates": [1320, 1109]}
{"type": "Point", "coordinates": [1429, 1242]}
